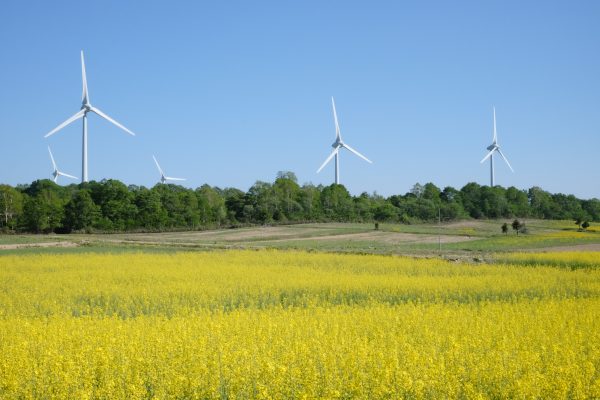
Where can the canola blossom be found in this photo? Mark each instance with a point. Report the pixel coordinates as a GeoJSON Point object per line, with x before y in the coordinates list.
{"type": "Point", "coordinates": [280, 325]}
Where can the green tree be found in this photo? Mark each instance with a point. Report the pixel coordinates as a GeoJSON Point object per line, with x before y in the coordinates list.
{"type": "Point", "coordinates": [585, 225]}
{"type": "Point", "coordinates": [471, 199]}
{"type": "Point", "coordinates": [518, 203]}
{"type": "Point", "coordinates": [310, 200]}
{"type": "Point", "coordinates": [263, 202]}
{"type": "Point", "coordinates": [11, 206]}
{"type": "Point", "coordinates": [386, 212]}
{"type": "Point", "coordinates": [235, 200]}
{"type": "Point", "coordinates": [43, 213]}
{"type": "Point", "coordinates": [432, 192]}
{"type": "Point", "coordinates": [365, 206]}
{"type": "Point", "coordinates": [191, 211]}
{"type": "Point", "coordinates": [287, 191]}
{"type": "Point", "coordinates": [81, 213]}
{"type": "Point", "coordinates": [211, 206]}
{"type": "Point", "coordinates": [592, 208]}
{"type": "Point", "coordinates": [150, 212]}
{"type": "Point", "coordinates": [337, 203]}
{"type": "Point", "coordinates": [492, 202]}
{"type": "Point", "coordinates": [505, 228]}
{"type": "Point", "coordinates": [516, 225]}
{"type": "Point", "coordinates": [171, 201]}
{"type": "Point", "coordinates": [116, 203]}
{"type": "Point", "coordinates": [541, 203]}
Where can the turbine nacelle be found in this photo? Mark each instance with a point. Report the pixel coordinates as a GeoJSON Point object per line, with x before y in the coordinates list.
{"type": "Point", "coordinates": [163, 177]}
{"type": "Point", "coordinates": [495, 148]}
{"type": "Point", "coordinates": [337, 145]}
{"type": "Point", "coordinates": [56, 173]}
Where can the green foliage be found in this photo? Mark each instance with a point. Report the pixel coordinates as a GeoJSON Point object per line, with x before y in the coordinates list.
{"type": "Point", "coordinates": [585, 225]}
{"type": "Point", "coordinates": [110, 206]}
{"type": "Point", "coordinates": [81, 212]}
{"type": "Point", "coordinates": [516, 225]}
{"type": "Point", "coordinates": [11, 206]}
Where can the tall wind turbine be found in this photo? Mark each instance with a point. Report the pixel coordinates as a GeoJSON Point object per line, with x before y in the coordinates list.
{"type": "Point", "coordinates": [337, 146]}
{"type": "Point", "coordinates": [86, 107]}
{"type": "Point", "coordinates": [163, 178]}
{"type": "Point", "coordinates": [494, 147]}
{"type": "Point", "coordinates": [57, 172]}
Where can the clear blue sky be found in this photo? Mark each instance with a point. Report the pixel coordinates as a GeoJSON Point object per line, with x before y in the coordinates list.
{"type": "Point", "coordinates": [227, 93]}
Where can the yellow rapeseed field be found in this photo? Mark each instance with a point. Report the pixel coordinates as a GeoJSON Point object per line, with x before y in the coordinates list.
{"type": "Point", "coordinates": [281, 325]}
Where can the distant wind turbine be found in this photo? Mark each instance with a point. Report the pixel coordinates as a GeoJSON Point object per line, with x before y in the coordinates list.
{"type": "Point", "coordinates": [337, 146]}
{"type": "Point", "coordinates": [56, 173]}
{"type": "Point", "coordinates": [86, 107]}
{"type": "Point", "coordinates": [163, 177]}
{"type": "Point", "coordinates": [494, 147]}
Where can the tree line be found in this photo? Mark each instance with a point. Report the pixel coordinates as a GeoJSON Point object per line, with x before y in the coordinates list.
{"type": "Point", "coordinates": [111, 206]}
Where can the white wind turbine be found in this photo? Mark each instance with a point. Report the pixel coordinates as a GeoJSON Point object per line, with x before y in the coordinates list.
{"type": "Point", "coordinates": [337, 146]}
{"type": "Point", "coordinates": [86, 107]}
{"type": "Point", "coordinates": [57, 172]}
{"type": "Point", "coordinates": [163, 178]}
{"type": "Point", "coordinates": [494, 147]}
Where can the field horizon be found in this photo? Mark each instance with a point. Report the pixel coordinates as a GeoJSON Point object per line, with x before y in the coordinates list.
{"type": "Point", "coordinates": [452, 239]}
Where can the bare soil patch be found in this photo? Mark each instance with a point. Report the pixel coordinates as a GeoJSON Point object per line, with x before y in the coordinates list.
{"type": "Point", "coordinates": [463, 224]}
{"type": "Point", "coordinates": [574, 247]}
{"type": "Point", "coordinates": [29, 245]}
{"type": "Point", "coordinates": [387, 237]}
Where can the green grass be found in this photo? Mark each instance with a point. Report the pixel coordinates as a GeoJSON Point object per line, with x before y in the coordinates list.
{"type": "Point", "coordinates": [419, 239]}
{"type": "Point", "coordinates": [27, 239]}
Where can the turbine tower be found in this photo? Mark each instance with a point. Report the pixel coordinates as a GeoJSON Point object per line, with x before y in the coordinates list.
{"type": "Point", "coordinates": [337, 146]}
{"type": "Point", "coordinates": [57, 172]}
{"type": "Point", "coordinates": [163, 178]}
{"type": "Point", "coordinates": [86, 107]}
{"type": "Point", "coordinates": [494, 147]}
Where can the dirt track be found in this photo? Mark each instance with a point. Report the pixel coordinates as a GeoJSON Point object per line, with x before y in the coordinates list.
{"type": "Point", "coordinates": [29, 245]}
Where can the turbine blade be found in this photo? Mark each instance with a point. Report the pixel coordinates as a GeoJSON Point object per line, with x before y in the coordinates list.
{"type": "Point", "coordinates": [52, 158]}
{"type": "Point", "coordinates": [75, 117]}
{"type": "Point", "coordinates": [506, 160]}
{"type": "Point", "coordinates": [338, 134]}
{"type": "Point", "coordinates": [109, 119]}
{"type": "Point", "coordinates": [335, 151]}
{"type": "Point", "coordinates": [158, 166]}
{"type": "Point", "coordinates": [174, 179]}
{"type": "Point", "coordinates": [84, 97]}
{"type": "Point", "coordinates": [495, 135]}
{"type": "Point", "coordinates": [55, 178]}
{"type": "Point", "coordinates": [357, 153]}
{"type": "Point", "coordinates": [67, 175]}
{"type": "Point", "coordinates": [488, 156]}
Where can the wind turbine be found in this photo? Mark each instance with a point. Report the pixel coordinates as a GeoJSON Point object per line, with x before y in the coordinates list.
{"type": "Point", "coordinates": [163, 178]}
{"type": "Point", "coordinates": [337, 146]}
{"type": "Point", "coordinates": [86, 107]}
{"type": "Point", "coordinates": [56, 172]}
{"type": "Point", "coordinates": [494, 147]}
